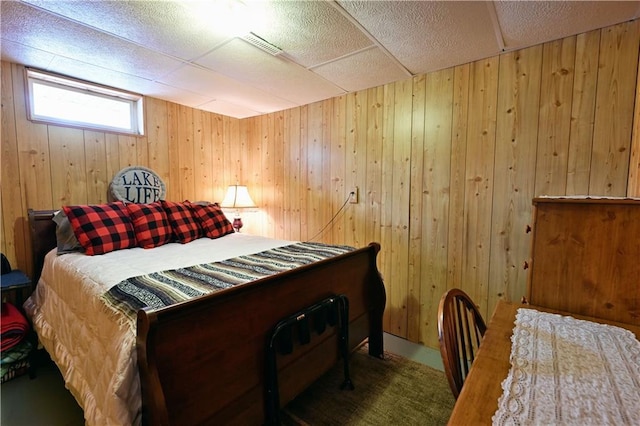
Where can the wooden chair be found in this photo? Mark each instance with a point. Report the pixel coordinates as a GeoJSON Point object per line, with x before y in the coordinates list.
{"type": "Point", "coordinates": [460, 330]}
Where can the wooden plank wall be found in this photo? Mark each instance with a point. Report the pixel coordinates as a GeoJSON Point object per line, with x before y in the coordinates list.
{"type": "Point", "coordinates": [633, 187]}
{"type": "Point", "coordinates": [446, 164]}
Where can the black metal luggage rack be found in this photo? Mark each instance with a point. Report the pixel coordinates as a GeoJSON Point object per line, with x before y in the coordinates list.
{"type": "Point", "coordinates": [332, 311]}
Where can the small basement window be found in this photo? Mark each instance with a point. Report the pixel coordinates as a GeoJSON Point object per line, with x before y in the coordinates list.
{"type": "Point", "coordinates": [64, 101]}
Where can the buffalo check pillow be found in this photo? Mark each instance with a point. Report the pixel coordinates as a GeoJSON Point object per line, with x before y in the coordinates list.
{"type": "Point", "coordinates": [212, 220]}
{"type": "Point", "coordinates": [151, 224]}
{"type": "Point", "coordinates": [183, 223]}
{"type": "Point", "coordinates": [101, 228]}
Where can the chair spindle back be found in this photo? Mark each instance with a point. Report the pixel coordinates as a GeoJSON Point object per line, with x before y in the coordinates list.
{"type": "Point", "coordinates": [460, 331]}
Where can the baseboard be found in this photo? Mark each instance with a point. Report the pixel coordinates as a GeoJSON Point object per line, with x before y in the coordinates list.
{"type": "Point", "coordinates": [413, 351]}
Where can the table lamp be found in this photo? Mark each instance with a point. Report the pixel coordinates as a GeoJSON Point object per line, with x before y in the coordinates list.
{"type": "Point", "coordinates": [237, 198]}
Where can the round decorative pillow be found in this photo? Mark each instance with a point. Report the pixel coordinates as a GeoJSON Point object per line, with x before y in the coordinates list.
{"type": "Point", "coordinates": [137, 184]}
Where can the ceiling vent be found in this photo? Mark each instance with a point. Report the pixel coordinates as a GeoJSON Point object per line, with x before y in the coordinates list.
{"type": "Point", "coordinates": [262, 44]}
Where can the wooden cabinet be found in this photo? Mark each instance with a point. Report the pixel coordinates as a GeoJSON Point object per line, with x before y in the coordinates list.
{"type": "Point", "coordinates": [585, 257]}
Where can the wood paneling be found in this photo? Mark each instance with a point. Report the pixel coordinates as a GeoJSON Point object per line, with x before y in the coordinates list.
{"type": "Point", "coordinates": [583, 112]}
{"type": "Point", "coordinates": [69, 172]}
{"type": "Point", "coordinates": [450, 161]}
{"type": "Point", "coordinates": [633, 186]}
{"type": "Point", "coordinates": [447, 164]}
{"type": "Point", "coordinates": [338, 165]}
{"type": "Point", "coordinates": [456, 237]}
{"type": "Point", "coordinates": [558, 59]}
{"type": "Point", "coordinates": [316, 197]}
{"type": "Point", "coordinates": [479, 179]}
{"type": "Point", "coordinates": [515, 160]}
{"type": "Point", "coordinates": [355, 169]}
{"type": "Point", "coordinates": [616, 77]}
{"type": "Point", "coordinates": [96, 161]}
{"type": "Point", "coordinates": [203, 156]}
{"type": "Point", "coordinates": [398, 296]}
{"type": "Point", "coordinates": [433, 194]}
{"type": "Point", "coordinates": [371, 193]}
{"type": "Point", "coordinates": [416, 208]}
{"type": "Point", "coordinates": [291, 179]}
{"type": "Point", "coordinates": [157, 137]}
{"type": "Point", "coordinates": [14, 229]}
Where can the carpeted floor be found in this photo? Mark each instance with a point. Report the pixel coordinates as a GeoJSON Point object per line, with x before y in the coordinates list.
{"type": "Point", "coordinates": [394, 391]}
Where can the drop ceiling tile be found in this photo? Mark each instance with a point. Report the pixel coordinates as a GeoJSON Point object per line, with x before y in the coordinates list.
{"type": "Point", "coordinates": [17, 53]}
{"type": "Point", "coordinates": [51, 33]}
{"type": "Point", "coordinates": [429, 35]}
{"type": "Point", "coordinates": [348, 72]}
{"type": "Point", "coordinates": [228, 109]}
{"type": "Point", "coordinates": [310, 32]}
{"type": "Point", "coordinates": [521, 21]}
{"type": "Point", "coordinates": [179, 29]}
{"type": "Point", "coordinates": [216, 86]}
{"type": "Point", "coordinates": [126, 82]}
{"type": "Point", "coordinates": [25, 55]}
{"type": "Point", "coordinates": [276, 75]}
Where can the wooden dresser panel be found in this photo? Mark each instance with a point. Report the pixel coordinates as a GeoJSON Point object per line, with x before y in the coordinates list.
{"type": "Point", "coordinates": [586, 257]}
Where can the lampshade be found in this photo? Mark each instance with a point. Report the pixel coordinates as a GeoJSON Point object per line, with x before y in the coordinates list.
{"type": "Point", "coordinates": [237, 197]}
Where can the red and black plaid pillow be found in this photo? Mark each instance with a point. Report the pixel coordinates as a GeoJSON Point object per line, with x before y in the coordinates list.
{"type": "Point", "coordinates": [213, 222]}
{"type": "Point", "coordinates": [183, 223]}
{"type": "Point", "coordinates": [101, 228]}
{"type": "Point", "coordinates": [151, 224]}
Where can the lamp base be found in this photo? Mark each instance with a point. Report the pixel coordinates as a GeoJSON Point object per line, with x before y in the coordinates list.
{"type": "Point", "coordinates": [237, 224]}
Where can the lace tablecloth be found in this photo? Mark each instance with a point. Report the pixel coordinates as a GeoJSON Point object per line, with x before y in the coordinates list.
{"type": "Point", "coordinates": [566, 371]}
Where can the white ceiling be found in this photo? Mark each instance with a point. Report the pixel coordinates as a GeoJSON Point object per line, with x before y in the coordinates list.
{"type": "Point", "coordinates": [174, 50]}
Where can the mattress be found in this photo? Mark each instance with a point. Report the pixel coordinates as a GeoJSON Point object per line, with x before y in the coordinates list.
{"type": "Point", "coordinates": [94, 346]}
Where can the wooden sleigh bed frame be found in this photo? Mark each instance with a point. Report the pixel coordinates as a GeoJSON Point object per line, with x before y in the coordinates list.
{"type": "Point", "coordinates": [203, 361]}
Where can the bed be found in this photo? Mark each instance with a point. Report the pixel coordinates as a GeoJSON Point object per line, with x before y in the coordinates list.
{"type": "Point", "coordinates": [202, 360]}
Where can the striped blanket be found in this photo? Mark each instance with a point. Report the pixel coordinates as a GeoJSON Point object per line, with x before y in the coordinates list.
{"type": "Point", "coordinates": [160, 289]}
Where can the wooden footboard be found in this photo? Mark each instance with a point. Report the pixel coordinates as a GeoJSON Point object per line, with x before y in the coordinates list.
{"type": "Point", "coordinates": [203, 361]}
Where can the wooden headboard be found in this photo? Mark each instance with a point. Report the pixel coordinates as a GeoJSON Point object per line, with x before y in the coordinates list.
{"type": "Point", "coordinates": [585, 257]}
{"type": "Point", "coordinates": [43, 237]}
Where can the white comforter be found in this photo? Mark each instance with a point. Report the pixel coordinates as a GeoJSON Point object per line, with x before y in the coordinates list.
{"type": "Point", "coordinates": [93, 347]}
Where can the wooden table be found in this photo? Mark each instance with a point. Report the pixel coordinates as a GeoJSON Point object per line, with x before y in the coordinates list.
{"type": "Point", "coordinates": [478, 400]}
